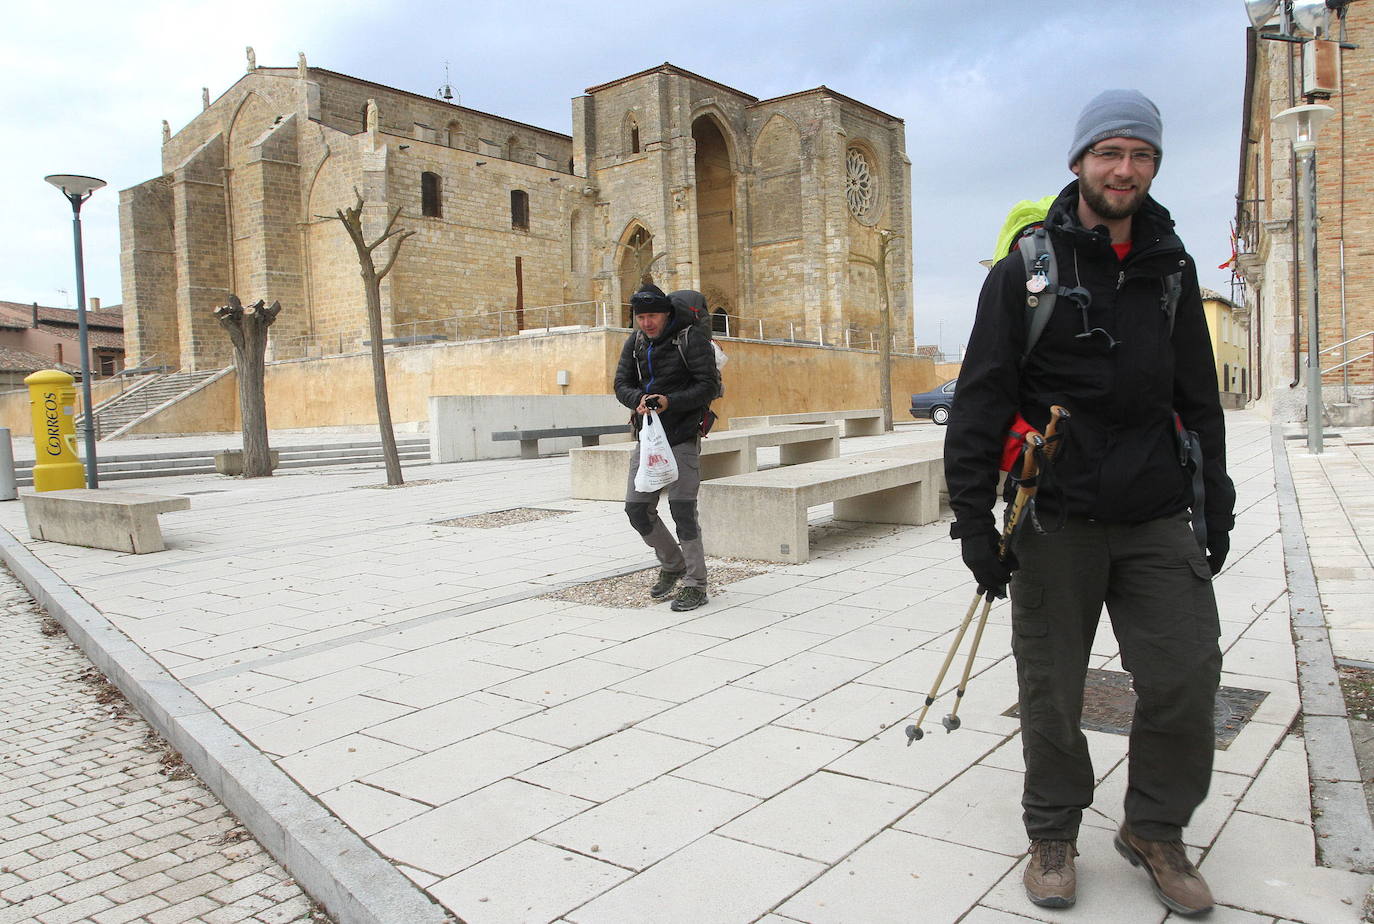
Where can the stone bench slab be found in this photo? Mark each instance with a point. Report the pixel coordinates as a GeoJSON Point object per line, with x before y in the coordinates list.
{"type": "Point", "coordinates": [121, 521]}
{"type": "Point", "coordinates": [762, 515]}
{"type": "Point", "coordinates": [600, 472]}
{"type": "Point", "coordinates": [859, 422]}
{"type": "Point", "coordinates": [529, 439]}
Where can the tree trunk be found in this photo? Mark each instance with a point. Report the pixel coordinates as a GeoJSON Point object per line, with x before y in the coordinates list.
{"type": "Point", "coordinates": [885, 349]}
{"type": "Point", "coordinates": [352, 220]}
{"type": "Point", "coordinates": [373, 284]}
{"type": "Point", "coordinates": [247, 329]}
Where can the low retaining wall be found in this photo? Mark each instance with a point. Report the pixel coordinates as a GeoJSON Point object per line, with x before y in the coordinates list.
{"type": "Point", "coordinates": [460, 426]}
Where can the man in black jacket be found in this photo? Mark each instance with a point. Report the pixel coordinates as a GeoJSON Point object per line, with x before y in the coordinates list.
{"type": "Point", "coordinates": [1124, 349]}
{"type": "Point", "coordinates": [668, 367]}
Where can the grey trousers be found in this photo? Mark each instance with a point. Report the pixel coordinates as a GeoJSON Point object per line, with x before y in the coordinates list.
{"type": "Point", "coordinates": [684, 554]}
{"type": "Point", "coordinates": [1157, 588]}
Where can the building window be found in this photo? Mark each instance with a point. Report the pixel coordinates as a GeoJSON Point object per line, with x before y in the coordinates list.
{"type": "Point", "coordinates": [634, 139]}
{"type": "Point", "coordinates": [519, 210]}
{"type": "Point", "coordinates": [431, 195]}
{"type": "Point", "coordinates": [1225, 376]}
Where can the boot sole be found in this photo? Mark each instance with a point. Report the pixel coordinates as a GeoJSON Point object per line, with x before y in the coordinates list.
{"type": "Point", "coordinates": [1053, 901]}
{"type": "Point", "coordinates": [1135, 859]}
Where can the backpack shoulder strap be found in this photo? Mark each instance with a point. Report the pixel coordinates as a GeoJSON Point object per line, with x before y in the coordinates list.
{"type": "Point", "coordinates": [1038, 257]}
{"type": "Point", "coordinates": [1173, 291]}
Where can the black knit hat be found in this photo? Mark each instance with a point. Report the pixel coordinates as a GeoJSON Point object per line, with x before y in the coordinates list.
{"type": "Point", "coordinates": [650, 300]}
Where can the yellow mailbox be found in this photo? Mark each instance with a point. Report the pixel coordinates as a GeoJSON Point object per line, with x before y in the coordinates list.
{"type": "Point", "coordinates": [52, 401]}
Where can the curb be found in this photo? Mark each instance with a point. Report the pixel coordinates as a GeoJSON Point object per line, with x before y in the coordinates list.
{"type": "Point", "coordinates": [1340, 817]}
{"type": "Point", "coordinates": [353, 882]}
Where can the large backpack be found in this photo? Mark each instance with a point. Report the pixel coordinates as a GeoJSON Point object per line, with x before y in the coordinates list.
{"type": "Point", "coordinates": [1042, 270]}
{"type": "Point", "coordinates": [695, 303]}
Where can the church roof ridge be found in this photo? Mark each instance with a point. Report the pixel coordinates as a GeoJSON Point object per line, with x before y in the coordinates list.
{"type": "Point", "coordinates": [287, 72]}
{"type": "Point", "coordinates": [837, 95]}
{"type": "Point", "coordinates": [667, 67]}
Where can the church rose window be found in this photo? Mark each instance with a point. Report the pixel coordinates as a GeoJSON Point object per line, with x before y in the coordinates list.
{"type": "Point", "coordinates": [858, 184]}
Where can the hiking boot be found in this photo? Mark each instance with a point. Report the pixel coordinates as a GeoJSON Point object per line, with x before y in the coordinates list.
{"type": "Point", "coordinates": [689, 598]}
{"type": "Point", "coordinates": [1049, 878]}
{"type": "Point", "coordinates": [667, 580]}
{"type": "Point", "coordinates": [1176, 881]}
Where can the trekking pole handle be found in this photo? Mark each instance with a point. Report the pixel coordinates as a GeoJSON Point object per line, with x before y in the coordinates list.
{"type": "Point", "coordinates": [1030, 468]}
{"type": "Point", "coordinates": [1059, 415]}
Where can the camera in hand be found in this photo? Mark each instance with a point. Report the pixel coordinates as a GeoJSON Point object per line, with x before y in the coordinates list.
{"type": "Point", "coordinates": [651, 403]}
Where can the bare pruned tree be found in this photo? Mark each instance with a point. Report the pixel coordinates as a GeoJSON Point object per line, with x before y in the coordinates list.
{"type": "Point", "coordinates": [247, 328]}
{"type": "Point", "coordinates": [352, 220]}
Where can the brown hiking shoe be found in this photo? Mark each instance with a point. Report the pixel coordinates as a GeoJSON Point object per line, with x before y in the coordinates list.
{"type": "Point", "coordinates": [1049, 877]}
{"type": "Point", "coordinates": [1176, 881]}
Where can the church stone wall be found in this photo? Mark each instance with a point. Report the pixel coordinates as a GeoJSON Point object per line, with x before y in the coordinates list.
{"type": "Point", "coordinates": [756, 217]}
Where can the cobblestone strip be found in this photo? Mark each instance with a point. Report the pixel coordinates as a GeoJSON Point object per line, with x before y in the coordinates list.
{"type": "Point", "coordinates": [102, 821]}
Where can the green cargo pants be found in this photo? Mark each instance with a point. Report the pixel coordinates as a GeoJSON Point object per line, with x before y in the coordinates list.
{"type": "Point", "coordinates": [1157, 588]}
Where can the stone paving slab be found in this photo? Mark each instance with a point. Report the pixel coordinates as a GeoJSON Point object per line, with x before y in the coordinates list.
{"type": "Point", "coordinates": [736, 763]}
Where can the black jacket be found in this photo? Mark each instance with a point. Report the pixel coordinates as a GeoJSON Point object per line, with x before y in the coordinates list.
{"type": "Point", "coordinates": [1119, 463]}
{"type": "Point", "coordinates": [656, 367]}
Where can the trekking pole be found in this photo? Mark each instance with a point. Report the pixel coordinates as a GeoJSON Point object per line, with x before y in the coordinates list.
{"type": "Point", "coordinates": [914, 732]}
{"type": "Point", "coordinates": [1025, 491]}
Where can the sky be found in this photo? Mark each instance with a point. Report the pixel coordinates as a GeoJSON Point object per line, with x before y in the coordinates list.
{"type": "Point", "coordinates": [989, 91]}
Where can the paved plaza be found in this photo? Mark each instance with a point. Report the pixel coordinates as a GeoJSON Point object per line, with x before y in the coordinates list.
{"type": "Point", "coordinates": [402, 705]}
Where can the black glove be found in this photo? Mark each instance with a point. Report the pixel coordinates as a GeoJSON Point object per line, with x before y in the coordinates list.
{"type": "Point", "coordinates": [1218, 545]}
{"type": "Point", "coordinates": [980, 555]}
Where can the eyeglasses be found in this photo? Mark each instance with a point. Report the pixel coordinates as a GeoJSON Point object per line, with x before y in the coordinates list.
{"type": "Point", "coordinates": [1114, 156]}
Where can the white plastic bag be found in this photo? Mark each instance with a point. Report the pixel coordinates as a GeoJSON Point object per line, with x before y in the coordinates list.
{"type": "Point", "coordinates": [657, 467]}
{"type": "Point", "coordinates": [721, 358]}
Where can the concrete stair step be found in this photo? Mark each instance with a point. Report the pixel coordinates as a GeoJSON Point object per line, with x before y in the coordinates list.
{"type": "Point", "coordinates": [192, 462]}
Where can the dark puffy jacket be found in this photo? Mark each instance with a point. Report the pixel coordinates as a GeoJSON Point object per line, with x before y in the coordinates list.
{"type": "Point", "coordinates": [1120, 462]}
{"type": "Point", "coordinates": [656, 367]}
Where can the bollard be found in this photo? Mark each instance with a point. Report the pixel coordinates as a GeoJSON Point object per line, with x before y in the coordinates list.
{"type": "Point", "coordinates": [52, 402]}
{"type": "Point", "coordinates": [7, 489]}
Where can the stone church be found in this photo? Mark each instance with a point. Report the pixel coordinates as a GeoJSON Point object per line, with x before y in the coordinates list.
{"type": "Point", "coordinates": [776, 209]}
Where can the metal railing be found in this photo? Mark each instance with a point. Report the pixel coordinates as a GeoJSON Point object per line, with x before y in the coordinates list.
{"type": "Point", "coordinates": [508, 322]}
{"type": "Point", "coordinates": [1248, 225]}
{"type": "Point", "coordinates": [1351, 360]}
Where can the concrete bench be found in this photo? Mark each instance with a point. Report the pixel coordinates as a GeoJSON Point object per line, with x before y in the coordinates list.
{"type": "Point", "coordinates": [529, 439]}
{"type": "Point", "coordinates": [119, 520]}
{"type": "Point", "coordinates": [866, 422]}
{"type": "Point", "coordinates": [762, 515]}
{"type": "Point", "coordinates": [599, 472]}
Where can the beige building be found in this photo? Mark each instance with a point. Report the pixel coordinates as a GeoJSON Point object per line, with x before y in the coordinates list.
{"type": "Point", "coordinates": [1228, 325]}
{"type": "Point", "coordinates": [773, 208]}
{"type": "Point", "coordinates": [1271, 252]}
{"type": "Point", "coordinates": [35, 337]}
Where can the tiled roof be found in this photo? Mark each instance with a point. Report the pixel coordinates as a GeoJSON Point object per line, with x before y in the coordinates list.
{"type": "Point", "coordinates": [12, 360]}
{"type": "Point", "coordinates": [22, 314]}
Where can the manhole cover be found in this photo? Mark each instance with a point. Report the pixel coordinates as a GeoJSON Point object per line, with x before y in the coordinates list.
{"type": "Point", "coordinates": [1109, 702]}
{"type": "Point", "coordinates": [499, 518]}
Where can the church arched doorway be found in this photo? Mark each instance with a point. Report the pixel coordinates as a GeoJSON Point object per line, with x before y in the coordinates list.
{"type": "Point", "coordinates": [636, 259]}
{"type": "Point", "coordinates": [715, 180]}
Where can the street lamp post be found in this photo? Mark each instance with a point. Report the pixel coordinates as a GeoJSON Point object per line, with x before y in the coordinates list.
{"type": "Point", "coordinates": [1302, 124]}
{"type": "Point", "coordinates": [78, 189]}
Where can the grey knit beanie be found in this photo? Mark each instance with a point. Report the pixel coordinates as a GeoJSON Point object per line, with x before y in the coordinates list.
{"type": "Point", "coordinates": [1117, 114]}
